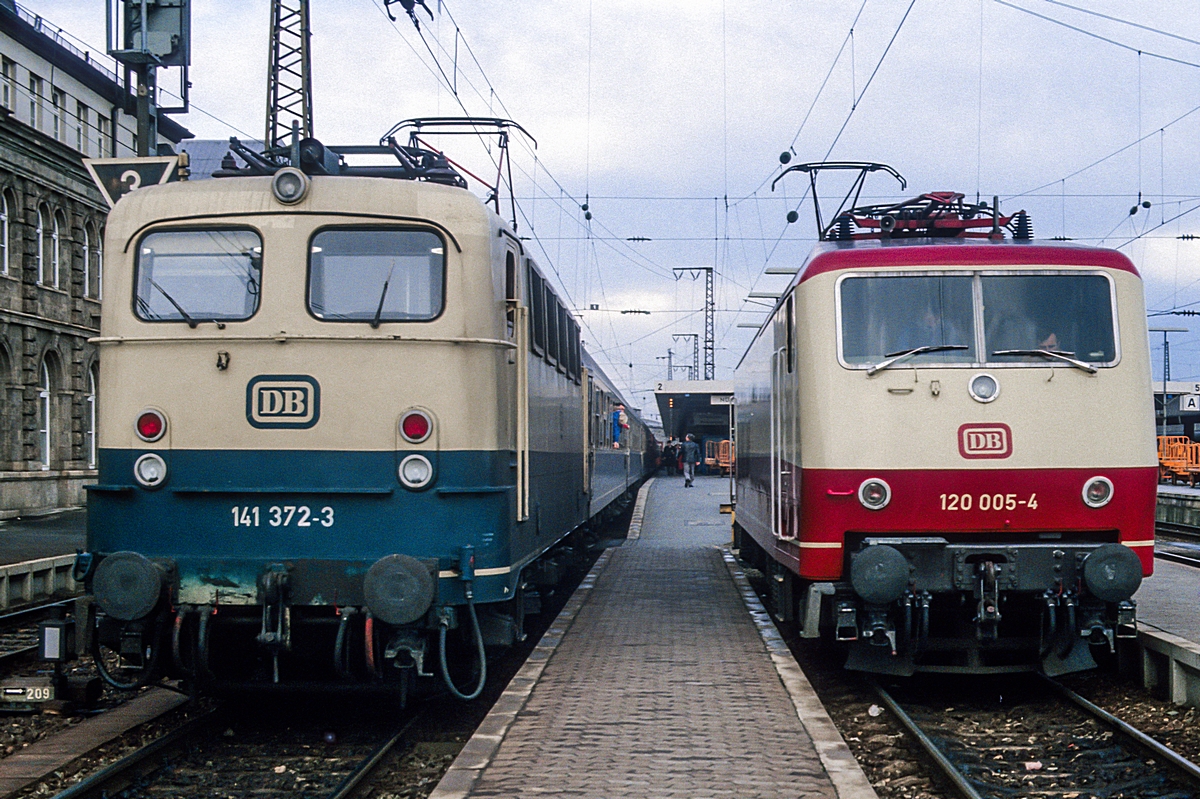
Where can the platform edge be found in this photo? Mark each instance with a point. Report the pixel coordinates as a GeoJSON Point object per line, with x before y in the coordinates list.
{"type": "Point", "coordinates": [839, 762]}
{"type": "Point", "coordinates": [479, 750]}
{"type": "Point", "coordinates": [639, 511]}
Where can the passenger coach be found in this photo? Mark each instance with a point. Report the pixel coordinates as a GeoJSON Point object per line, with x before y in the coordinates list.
{"type": "Point", "coordinates": [946, 443]}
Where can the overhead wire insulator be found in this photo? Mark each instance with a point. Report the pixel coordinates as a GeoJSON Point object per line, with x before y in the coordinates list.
{"type": "Point", "coordinates": [1022, 226]}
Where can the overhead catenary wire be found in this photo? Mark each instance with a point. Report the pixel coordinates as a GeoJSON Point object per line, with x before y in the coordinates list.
{"type": "Point", "coordinates": [1094, 35]}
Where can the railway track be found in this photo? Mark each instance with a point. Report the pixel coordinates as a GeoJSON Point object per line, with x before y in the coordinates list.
{"type": "Point", "coordinates": [18, 630]}
{"type": "Point", "coordinates": [1050, 742]}
{"type": "Point", "coordinates": [221, 755]}
{"type": "Point", "coordinates": [1187, 536]}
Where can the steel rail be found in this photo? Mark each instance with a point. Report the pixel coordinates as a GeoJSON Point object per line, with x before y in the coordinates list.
{"type": "Point", "coordinates": [1175, 528]}
{"type": "Point", "coordinates": [951, 771]}
{"type": "Point", "coordinates": [17, 654]}
{"type": "Point", "coordinates": [1175, 557]}
{"type": "Point", "coordinates": [97, 784]}
{"type": "Point", "coordinates": [1142, 739]}
{"type": "Point", "coordinates": [33, 613]}
{"type": "Point", "coordinates": [10, 622]}
{"type": "Point", "coordinates": [366, 767]}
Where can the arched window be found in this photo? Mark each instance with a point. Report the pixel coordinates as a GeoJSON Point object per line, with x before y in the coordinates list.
{"type": "Point", "coordinates": [43, 223]}
{"type": "Point", "coordinates": [99, 294]}
{"type": "Point", "coordinates": [43, 415]}
{"type": "Point", "coordinates": [87, 259]}
{"type": "Point", "coordinates": [58, 233]}
{"type": "Point", "coordinates": [90, 418]}
{"type": "Point", "coordinates": [4, 211]}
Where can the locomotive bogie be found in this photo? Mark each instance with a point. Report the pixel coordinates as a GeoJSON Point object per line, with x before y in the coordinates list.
{"type": "Point", "coordinates": [973, 482]}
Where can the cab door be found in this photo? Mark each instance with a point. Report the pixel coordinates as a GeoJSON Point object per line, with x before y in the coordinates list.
{"type": "Point", "coordinates": [784, 451]}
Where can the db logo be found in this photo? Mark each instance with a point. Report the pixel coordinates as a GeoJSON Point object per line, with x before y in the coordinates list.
{"type": "Point", "coordinates": [283, 401]}
{"type": "Point", "coordinates": [985, 440]}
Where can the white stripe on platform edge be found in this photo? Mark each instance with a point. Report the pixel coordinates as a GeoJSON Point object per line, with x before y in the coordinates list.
{"type": "Point", "coordinates": [639, 511]}
{"type": "Point", "coordinates": [479, 750]}
{"type": "Point", "coordinates": [840, 764]}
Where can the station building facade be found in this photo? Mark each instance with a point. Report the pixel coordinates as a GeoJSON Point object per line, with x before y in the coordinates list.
{"type": "Point", "coordinates": [59, 103]}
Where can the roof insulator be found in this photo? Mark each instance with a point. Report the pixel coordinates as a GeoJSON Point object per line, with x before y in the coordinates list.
{"type": "Point", "coordinates": [1023, 227]}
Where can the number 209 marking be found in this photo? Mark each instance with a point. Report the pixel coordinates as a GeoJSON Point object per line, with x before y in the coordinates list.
{"type": "Point", "coordinates": [986, 502]}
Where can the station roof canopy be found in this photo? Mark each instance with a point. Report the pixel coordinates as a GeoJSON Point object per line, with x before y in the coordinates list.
{"type": "Point", "coordinates": [701, 407]}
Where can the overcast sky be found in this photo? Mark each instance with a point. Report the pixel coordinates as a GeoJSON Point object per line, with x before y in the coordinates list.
{"type": "Point", "coordinates": [669, 118]}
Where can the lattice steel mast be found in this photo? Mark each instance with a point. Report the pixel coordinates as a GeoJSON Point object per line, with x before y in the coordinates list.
{"type": "Point", "coordinates": [289, 73]}
{"type": "Point", "coordinates": [709, 312]}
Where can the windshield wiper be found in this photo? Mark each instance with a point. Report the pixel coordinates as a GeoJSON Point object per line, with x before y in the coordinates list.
{"type": "Point", "coordinates": [186, 316]}
{"type": "Point", "coordinates": [192, 322]}
{"type": "Point", "coordinates": [382, 297]}
{"type": "Point", "coordinates": [1057, 355]}
{"type": "Point", "coordinates": [894, 358]}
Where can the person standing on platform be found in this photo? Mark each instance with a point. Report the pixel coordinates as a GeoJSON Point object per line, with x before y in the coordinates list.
{"type": "Point", "coordinates": [691, 457]}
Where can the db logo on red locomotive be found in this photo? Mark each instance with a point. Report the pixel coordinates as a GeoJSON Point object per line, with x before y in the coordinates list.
{"type": "Point", "coordinates": [985, 440]}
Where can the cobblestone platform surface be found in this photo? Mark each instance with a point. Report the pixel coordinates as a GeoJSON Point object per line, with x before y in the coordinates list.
{"type": "Point", "coordinates": [661, 685]}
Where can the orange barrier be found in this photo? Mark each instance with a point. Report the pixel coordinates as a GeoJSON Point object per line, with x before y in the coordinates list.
{"type": "Point", "coordinates": [1178, 459]}
{"type": "Point", "coordinates": [726, 456]}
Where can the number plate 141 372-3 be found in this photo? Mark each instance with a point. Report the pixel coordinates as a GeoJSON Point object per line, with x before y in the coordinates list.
{"type": "Point", "coordinates": [281, 516]}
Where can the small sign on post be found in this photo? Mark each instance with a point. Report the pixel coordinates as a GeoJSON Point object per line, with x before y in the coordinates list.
{"type": "Point", "coordinates": [116, 177]}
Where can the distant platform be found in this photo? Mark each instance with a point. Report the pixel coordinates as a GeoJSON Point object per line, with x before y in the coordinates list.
{"type": "Point", "coordinates": [42, 536]}
{"type": "Point", "coordinates": [1167, 490]}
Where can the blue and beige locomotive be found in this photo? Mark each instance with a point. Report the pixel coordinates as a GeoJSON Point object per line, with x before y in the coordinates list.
{"type": "Point", "coordinates": [347, 429]}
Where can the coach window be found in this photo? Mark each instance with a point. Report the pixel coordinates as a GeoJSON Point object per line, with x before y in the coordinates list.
{"type": "Point", "coordinates": [376, 275]}
{"type": "Point", "coordinates": [537, 310]}
{"type": "Point", "coordinates": [886, 316]}
{"type": "Point", "coordinates": [564, 340]}
{"type": "Point", "coordinates": [551, 326]}
{"type": "Point", "coordinates": [198, 276]}
{"type": "Point", "coordinates": [576, 358]}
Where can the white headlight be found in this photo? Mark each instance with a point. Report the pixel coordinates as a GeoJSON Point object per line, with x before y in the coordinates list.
{"type": "Point", "coordinates": [874, 494]}
{"type": "Point", "coordinates": [150, 470]}
{"type": "Point", "coordinates": [983, 388]}
{"type": "Point", "coordinates": [416, 471]}
{"type": "Point", "coordinates": [289, 185]}
{"type": "Point", "coordinates": [1097, 492]}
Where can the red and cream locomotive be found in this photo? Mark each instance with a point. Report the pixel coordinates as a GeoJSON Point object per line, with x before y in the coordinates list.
{"type": "Point", "coordinates": [946, 441]}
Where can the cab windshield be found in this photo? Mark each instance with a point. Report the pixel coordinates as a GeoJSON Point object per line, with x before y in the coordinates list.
{"type": "Point", "coordinates": [883, 317]}
{"type": "Point", "coordinates": [1069, 314]}
{"type": "Point", "coordinates": [198, 276]}
{"type": "Point", "coordinates": [376, 275]}
{"type": "Point", "coordinates": [977, 318]}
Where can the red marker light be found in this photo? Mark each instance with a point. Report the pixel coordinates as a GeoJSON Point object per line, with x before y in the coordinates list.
{"type": "Point", "coordinates": [415, 426]}
{"type": "Point", "coordinates": [150, 425]}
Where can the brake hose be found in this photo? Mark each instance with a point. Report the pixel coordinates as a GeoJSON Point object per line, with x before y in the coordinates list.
{"type": "Point", "coordinates": [479, 647]}
{"type": "Point", "coordinates": [148, 672]}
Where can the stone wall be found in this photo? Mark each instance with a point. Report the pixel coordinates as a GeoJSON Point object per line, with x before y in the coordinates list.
{"type": "Point", "coordinates": [46, 325]}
